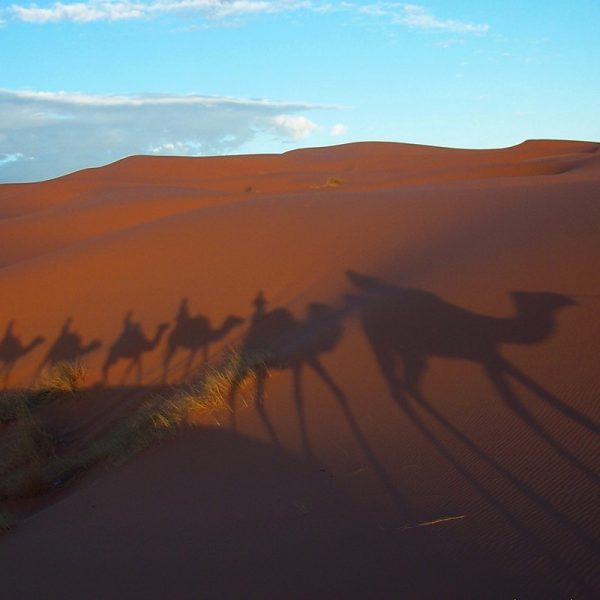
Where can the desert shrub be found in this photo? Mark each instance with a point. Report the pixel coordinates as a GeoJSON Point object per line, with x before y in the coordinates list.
{"type": "Point", "coordinates": [207, 389]}
{"type": "Point", "coordinates": [62, 376]}
{"type": "Point", "coordinates": [32, 465]}
{"type": "Point", "coordinates": [28, 451]}
{"type": "Point", "coordinates": [333, 181]}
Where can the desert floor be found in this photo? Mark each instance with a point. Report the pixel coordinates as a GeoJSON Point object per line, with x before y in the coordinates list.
{"type": "Point", "coordinates": [427, 422]}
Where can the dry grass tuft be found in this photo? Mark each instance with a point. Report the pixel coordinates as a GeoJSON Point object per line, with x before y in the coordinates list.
{"type": "Point", "coordinates": [31, 463]}
{"type": "Point", "coordinates": [28, 449]}
{"type": "Point", "coordinates": [333, 182]}
{"type": "Point", "coordinates": [62, 377]}
{"type": "Point", "coordinates": [207, 390]}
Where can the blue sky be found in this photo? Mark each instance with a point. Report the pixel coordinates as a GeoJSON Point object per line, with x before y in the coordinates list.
{"type": "Point", "coordinates": [85, 83]}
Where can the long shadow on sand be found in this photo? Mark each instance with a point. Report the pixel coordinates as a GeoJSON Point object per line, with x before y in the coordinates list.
{"type": "Point", "coordinates": [131, 344]}
{"type": "Point", "coordinates": [67, 347]}
{"type": "Point", "coordinates": [194, 334]}
{"type": "Point", "coordinates": [413, 325]}
{"type": "Point", "coordinates": [278, 340]}
{"type": "Point", "coordinates": [11, 350]}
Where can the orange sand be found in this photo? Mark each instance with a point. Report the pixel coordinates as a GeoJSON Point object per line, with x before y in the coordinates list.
{"type": "Point", "coordinates": [446, 445]}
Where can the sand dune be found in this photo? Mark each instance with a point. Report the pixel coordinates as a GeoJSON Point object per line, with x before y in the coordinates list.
{"type": "Point", "coordinates": [429, 423]}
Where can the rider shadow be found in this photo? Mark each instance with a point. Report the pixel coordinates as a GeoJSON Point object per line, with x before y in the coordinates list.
{"type": "Point", "coordinates": [11, 350]}
{"type": "Point", "coordinates": [131, 344]}
{"type": "Point", "coordinates": [194, 334]}
{"type": "Point", "coordinates": [68, 347]}
{"type": "Point", "coordinates": [278, 340]}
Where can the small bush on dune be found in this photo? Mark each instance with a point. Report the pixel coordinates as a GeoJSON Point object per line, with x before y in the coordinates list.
{"type": "Point", "coordinates": [29, 461]}
{"type": "Point", "coordinates": [28, 452]}
{"type": "Point", "coordinates": [334, 181]}
{"type": "Point", "coordinates": [207, 389]}
{"type": "Point", "coordinates": [32, 464]}
{"type": "Point", "coordinates": [62, 377]}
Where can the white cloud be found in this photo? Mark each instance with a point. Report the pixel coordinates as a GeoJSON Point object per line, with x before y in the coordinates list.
{"type": "Point", "coordinates": [86, 11]}
{"type": "Point", "coordinates": [293, 127]}
{"type": "Point", "coordinates": [9, 158]}
{"type": "Point", "coordinates": [63, 132]}
{"type": "Point", "coordinates": [79, 12]}
{"type": "Point", "coordinates": [338, 129]}
{"type": "Point", "coordinates": [420, 17]}
{"type": "Point", "coordinates": [116, 10]}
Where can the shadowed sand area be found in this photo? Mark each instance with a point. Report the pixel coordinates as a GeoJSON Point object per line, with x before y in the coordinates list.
{"type": "Point", "coordinates": [424, 423]}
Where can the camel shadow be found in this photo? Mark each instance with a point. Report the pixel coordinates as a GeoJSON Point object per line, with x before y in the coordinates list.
{"type": "Point", "coordinates": [131, 344]}
{"type": "Point", "coordinates": [194, 334]}
{"type": "Point", "coordinates": [11, 350]}
{"type": "Point", "coordinates": [276, 340]}
{"type": "Point", "coordinates": [68, 347]}
{"type": "Point", "coordinates": [413, 325]}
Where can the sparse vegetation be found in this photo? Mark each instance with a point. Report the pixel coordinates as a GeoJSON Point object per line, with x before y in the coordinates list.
{"type": "Point", "coordinates": [62, 377]}
{"type": "Point", "coordinates": [249, 188]}
{"type": "Point", "coordinates": [31, 463]}
{"type": "Point", "coordinates": [334, 182]}
{"type": "Point", "coordinates": [208, 389]}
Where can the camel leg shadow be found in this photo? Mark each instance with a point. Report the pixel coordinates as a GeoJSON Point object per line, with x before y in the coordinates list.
{"type": "Point", "coordinates": [401, 394]}
{"type": "Point", "coordinates": [359, 436]}
{"type": "Point", "coordinates": [299, 402]}
{"type": "Point", "coordinates": [5, 375]}
{"type": "Point", "coordinates": [550, 398]}
{"type": "Point", "coordinates": [189, 364]}
{"type": "Point", "coordinates": [497, 376]}
{"type": "Point", "coordinates": [133, 364]}
{"type": "Point", "coordinates": [259, 404]}
{"type": "Point", "coordinates": [583, 537]}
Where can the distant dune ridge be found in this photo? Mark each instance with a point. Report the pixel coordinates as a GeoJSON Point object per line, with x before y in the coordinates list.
{"type": "Point", "coordinates": [423, 423]}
